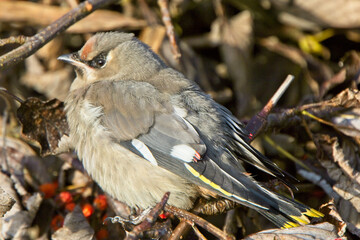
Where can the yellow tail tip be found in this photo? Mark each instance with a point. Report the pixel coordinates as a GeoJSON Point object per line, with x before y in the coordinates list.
{"type": "Point", "coordinates": [301, 219]}
{"type": "Point", "coordinates": [290, 225]}
{"type": "Point", "coordinates": [313, 213]}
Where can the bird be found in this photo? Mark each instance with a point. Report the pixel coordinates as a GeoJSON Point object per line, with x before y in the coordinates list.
{"type": "Point", "coordinates": [141, 129]}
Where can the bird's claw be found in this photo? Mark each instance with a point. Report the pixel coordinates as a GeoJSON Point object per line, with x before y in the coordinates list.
{"type": "Point", "coordinates": [134, 220]}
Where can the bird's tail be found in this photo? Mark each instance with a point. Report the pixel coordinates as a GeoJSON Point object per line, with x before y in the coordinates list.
{"type": "Point", "coordinates": [289, 213]}
{"type": "Point", "coordinates": [241, 188]}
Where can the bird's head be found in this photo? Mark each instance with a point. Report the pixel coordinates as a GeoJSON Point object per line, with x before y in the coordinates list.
{"type": "Point", "coordinates": [113, 56]}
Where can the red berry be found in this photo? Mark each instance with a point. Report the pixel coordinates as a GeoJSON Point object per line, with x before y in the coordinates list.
{"type": "Point", "coordinates": [57, 222]}
{"type": "Point", "coordinates": [49, 189]}
{"type": "Point", "coordinates": [100, 202]}
{"type": "Point", "coordinates": [88, 210]}
{"type": "Point", "coordinates": [65, 197]}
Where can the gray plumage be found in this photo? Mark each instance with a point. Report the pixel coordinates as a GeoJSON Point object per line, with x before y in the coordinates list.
{"type": "Point", "coordinates": [142, 129]}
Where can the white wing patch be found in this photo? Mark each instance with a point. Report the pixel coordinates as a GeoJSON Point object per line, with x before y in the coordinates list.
{"type": "Point", "coordinates": [182, 112]}
{"type": "Point", "coordinates": [144, 150]}
{"type": "Point", "coordinates": [184, 152]}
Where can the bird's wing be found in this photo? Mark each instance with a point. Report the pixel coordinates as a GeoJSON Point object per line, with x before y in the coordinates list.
{"type": "Point", "coordinates": [141, 119]}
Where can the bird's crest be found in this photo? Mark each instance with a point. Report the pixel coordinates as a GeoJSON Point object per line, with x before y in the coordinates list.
{"type": "Point", "coordinates": [87, 48]}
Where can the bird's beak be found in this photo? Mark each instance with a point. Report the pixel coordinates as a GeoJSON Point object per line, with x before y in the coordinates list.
{"type": "Point", "coordinates": [73, 59]}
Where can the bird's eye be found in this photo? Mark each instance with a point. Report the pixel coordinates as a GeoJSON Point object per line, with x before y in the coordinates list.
{"type": "Point", "coordinates": [98, 62]}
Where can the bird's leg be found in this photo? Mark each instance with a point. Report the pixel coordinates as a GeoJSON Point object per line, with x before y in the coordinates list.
{"type": "Point", "coordinates": [148, 215]}
{"type": "Point", "coordinates": [145, 222]}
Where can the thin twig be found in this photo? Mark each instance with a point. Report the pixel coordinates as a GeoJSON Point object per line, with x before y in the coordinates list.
{"type": "Point", "coordinates": [184, 227]}
{"type": "Point", "coordinates": [230, 225]}
{"type": "Point", "coordinates": [286, 153]}
{"type": "Point", "coordinates": [48, 33]}
{"type": "Point", "coordinates": [198, 233]}
{"type": "Point", "coordinates": [181, 229]}
{"type": "Point", "coordinates": [164, 7]}
{"type": "Point", "coordinates": [3, 130]}
{"type": "Point", "coordinates": [258, 122]}
{"type": "Point", "coordinates": [4, 90]}
{"type": "Point", "coordinates": [199, 221]}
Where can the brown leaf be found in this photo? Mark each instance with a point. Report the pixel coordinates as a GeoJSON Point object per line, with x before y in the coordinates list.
{"type": "Point", "coordinates": [43, 14]}
{"type": "Point", "coordinates": [348, 98]}
{"type": "Point", "coordinates": [75, 227]}
{"type": "Point", "coordinates": [341, 162]}
{"type": "Point", "coordinates": [322, 231]}
{"type": "Point", "coordinates": [44, 122]}
{"type": "Point", "coordinates": [323, 13]}
{"type": "Point", "coordinates": [348, 122]}
{"type": "Point", "coordinates": [16, 151]}
{"type": "Point", "coordinates": [345, 155]}
{"type": "Point", "coordinates": [16, 224]}
{"type": "Point", "coordinates": [6, 202]}
{"type": "Point", "coordinates": [332, 216]}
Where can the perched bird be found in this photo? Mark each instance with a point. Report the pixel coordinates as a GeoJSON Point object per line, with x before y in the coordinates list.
{"type": "Point", "coordinates": [141, 129]}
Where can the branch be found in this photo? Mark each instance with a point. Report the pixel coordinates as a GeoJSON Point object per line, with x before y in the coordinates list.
{"type": "Point", "coordinates": [258, 122]}
{"type": "Point", "coordinates": [199, 221]}
{"type": "Point", "coordinates": [163, 4]}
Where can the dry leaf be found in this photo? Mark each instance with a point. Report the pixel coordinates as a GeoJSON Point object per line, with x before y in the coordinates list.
{"type": "Point", "coordinates": [348, 122]}
{"type": "Point", "coordinates": [6, 202]}
{"type": "Point", "coordinates": [348, 98]}
{"type": "Point", "coordinates": [16, 225]}
{"type": "Point", "coordinates": [323, 13]}
{"type": "Point", "coordinates": [341, 163]}
{"type": "Point", "coordinates": [16, 151]}
{"type": "Point", "coordinates": [332, 216]}
{"type": "Point", "coordinates": [322, 231]}
{"type": "Point", "coordinates": [44, 122]}
{"type": "Point", "coordinates": [42, 14]}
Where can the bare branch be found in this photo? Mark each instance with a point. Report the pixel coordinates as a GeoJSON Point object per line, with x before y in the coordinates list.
{"type": "Point", "coordinates": [258, 122]}
{"type": "Point", "coordinates": [163, 4]}
{"type": "Point", "coordinates": [199, 221]}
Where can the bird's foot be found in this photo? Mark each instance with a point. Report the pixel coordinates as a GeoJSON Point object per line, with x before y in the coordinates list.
{"type": "Point", "coordinates": [145, 224]}
{"type": "Point", "coordinates": [134, 220]}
